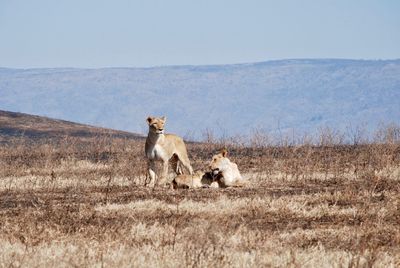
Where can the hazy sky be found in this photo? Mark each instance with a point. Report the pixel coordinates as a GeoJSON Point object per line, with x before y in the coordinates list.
{"type": "Point", "coordinates": [95, 33]}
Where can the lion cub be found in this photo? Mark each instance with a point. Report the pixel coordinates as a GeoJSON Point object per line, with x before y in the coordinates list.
{"type": "Point", "coordinates": [228, 171]}
{"type": "Point", "coordinates": [197, 180]}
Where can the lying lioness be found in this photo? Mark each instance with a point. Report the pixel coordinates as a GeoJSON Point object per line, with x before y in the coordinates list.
{"type": "Point", "coordinates": [227, 171]}
{"type": "Point", "coordinates": [197, 180]}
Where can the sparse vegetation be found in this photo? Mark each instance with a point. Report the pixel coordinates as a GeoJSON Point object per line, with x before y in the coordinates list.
{"type": "Point", "coordinates": [311, 202]}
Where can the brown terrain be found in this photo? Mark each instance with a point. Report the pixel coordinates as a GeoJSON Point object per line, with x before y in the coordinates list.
{"type": "Point", "coordinates": [81, 200]}
{"type": "Point", "coordinates": [38, 127]}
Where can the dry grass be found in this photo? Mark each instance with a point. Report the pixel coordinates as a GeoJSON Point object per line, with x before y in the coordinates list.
{"type": "Point", "coordinates": [83, 203]}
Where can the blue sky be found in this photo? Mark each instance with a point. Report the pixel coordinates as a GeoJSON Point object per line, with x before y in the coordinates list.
{"type": "Point", "coordinates": [128, 33]}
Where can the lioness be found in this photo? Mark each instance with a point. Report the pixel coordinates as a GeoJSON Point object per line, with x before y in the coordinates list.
{"type": "Point", "coordinates": [228, 171]}
{"type": "Point", "coordinates": [163, 147]}
{"type": "Point", "coordinates": [197, 180]}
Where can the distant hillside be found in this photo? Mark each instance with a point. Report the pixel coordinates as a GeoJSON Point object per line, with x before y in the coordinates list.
{"type": "Point", "coordinates": [36, 127]}
{"type": "Point", "coordinates": [228, 99]}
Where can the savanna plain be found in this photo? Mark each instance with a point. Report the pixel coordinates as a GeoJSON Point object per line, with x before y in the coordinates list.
{"type": "Point", "coordinates": [321, 202]}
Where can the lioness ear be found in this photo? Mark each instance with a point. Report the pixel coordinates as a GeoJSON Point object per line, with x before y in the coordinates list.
{"type": "Point", "coordinates": [164, 119]}
{"type": "Point", "coordinates": [224, 152]}
{"type": "Point", "coordinates": [149, 119]}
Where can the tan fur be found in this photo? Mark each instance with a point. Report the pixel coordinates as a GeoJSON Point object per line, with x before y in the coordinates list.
{"type": "Point", "coordinates": [164, 147]}
{"type": "Point", "coordinates": [197, 180]}
{"type": "Point", "coordinates": [227, 170]}
{"type": "Point", "coordinates": [184, 181]}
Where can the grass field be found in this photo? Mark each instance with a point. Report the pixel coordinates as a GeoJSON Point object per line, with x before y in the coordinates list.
{"type": "Point", "coordinates": [82, 202]}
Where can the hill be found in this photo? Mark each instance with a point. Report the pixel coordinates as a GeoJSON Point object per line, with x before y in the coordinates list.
{"type": "Point", "coordinates": [37, 127]}
{"type": "Point", "coordinates": [229, 99]}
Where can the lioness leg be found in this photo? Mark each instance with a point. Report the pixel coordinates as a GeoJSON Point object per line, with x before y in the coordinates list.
{"type": "Point", "coordinates": [164, 174]}
{"type": "Point", "coordinates": [175, 164]}
{"type": "Point", "coordinates": [186, 162]}
{"type": "Point", "coordinates": [151, 171]}
{"type": "Point", "coordinates": [241, 183]}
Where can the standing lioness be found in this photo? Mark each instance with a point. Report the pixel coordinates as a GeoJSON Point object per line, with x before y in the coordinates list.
{"type": "Point", "coordinates": [163, 147]}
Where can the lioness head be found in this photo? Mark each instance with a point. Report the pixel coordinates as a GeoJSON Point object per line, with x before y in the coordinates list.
{"type": "Point", "coordinates": [219, 162]}
{"type": "Point", "coordinates": [156, 124]}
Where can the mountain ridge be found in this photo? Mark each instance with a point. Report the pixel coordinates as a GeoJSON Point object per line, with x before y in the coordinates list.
{"type": "Point", "coordinates": [294, 94]}
{"type": "Point", "coordinates": [33, 127]}
{"type": "Point", "coordinates": [289, 60]}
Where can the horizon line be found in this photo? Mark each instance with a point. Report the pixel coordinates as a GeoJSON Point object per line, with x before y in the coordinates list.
{"type": "Point", "coordinates": [200, 65]}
